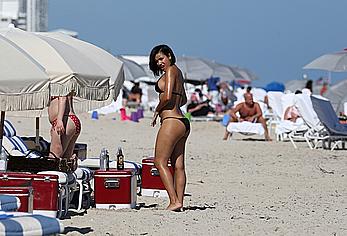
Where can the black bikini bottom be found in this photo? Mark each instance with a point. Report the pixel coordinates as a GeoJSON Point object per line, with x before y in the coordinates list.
{"type": "Point", "coordinates": [184, 120]}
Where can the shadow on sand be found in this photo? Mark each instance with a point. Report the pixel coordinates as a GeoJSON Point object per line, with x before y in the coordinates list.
{"type": "Point", "coordinates": [71, 214]}
{"type": "Point", "coordinates": [253, 139]}
{"type": "Point", "coordinates": [84, 230]}
{"type": "Point", "coordinates": [201, 208]}
{"type": "Point", "coordinates": [143, 205]}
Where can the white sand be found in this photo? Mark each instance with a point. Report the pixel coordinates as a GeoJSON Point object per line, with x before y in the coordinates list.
{"type": "Point", "coordinates": [236, 187]}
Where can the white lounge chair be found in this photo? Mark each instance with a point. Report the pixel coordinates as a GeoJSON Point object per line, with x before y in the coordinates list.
{"type": "Point", "coordinates": [295, 131]}
{"type": "Point", "coordinates": [316, 132]}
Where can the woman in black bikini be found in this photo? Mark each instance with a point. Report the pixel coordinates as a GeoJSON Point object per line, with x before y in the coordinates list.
{"type": "Point", "coordinates": [65, 130]}
{"type": "Point", "coordinates": [173, 133]}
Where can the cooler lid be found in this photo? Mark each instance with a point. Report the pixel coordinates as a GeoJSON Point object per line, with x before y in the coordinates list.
{"type": "Point", "coordinates": [148, 160]}
{"type": "Point", "coordinates": [114, 171]}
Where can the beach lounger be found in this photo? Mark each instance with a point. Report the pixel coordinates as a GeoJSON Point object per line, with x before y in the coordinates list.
{"type": "Point", "coordinates": [73, 186]}
{"type": "Point", "coordinates": [316, 132]}
{"type": "Point", "coordinates": [13, 144]}
{"type": "Point", "coordinates": [337, 132]}
{"type": "Point", "coordinates": [18, 223]}
{"type": "Point", "coordinates": [294, 131]}
{"type": "Point", "coordinates": [206, 118]}
{"type": "Point", "coordinates": [30, 225]}
{"type": "Point", "coordinates": [275, 102]}
{"type": "Point", "coordinates": [245, 128]}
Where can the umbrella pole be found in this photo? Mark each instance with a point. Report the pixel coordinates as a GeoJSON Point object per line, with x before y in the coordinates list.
{"type": "Point", "coordinates": [37, 138]}
{"type": "Point", "coordinates": [329, 77]}
{"type": "Point", "coordinates": [2, 127]}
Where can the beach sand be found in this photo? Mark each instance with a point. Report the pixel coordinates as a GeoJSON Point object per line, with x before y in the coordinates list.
{"type": "Point", "coordinates": [242, 186]}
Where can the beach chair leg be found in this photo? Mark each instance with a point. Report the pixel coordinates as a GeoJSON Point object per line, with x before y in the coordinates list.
{"type": "Point", "coordinates": [292, 140]}
{"type": "Point", "coordinates": [308, 141]}
{"type": "Point", "coordinates": [80, 195]}
{"type": "Point", "coordinates": [336, 143]}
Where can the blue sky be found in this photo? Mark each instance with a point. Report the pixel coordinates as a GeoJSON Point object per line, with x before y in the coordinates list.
{"type": "Point", "coordinates": [272, 38]}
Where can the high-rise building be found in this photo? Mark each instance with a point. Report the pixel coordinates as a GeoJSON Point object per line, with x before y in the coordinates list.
{"type": "Point", "coordinates": [30, 15]}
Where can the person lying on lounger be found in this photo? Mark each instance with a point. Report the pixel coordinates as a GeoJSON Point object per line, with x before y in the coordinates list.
{"type": "Point", "coordinates": [248, 111]}
{"type": "Point", "coordinates": [197, 108]}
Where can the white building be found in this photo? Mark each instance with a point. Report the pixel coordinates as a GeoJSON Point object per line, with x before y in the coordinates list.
{"type": "Point", "coordinates": [30, 15]}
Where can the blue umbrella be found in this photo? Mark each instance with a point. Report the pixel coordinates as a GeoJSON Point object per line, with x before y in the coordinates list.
{"type": "Point", "coordinates": [275, 86]}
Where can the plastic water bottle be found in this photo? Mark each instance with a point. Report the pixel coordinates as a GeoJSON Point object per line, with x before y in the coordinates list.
{"type": "Point", "coordinates": [104, 159]}
{"type": "Point", "coordinates": [3, 160]}
{"type": "Point", "coordinates": [120, 159]}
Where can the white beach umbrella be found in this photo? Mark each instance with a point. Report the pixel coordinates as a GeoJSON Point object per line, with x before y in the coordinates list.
{"type": "Point", "coordinates": [194, 69]}
{"type": "Point", "coordinates": [143, 61]}
{"type": "Point", "coordinates": [294, 85]}
{"type": "Point", "coordinates": [336, 62]}
{"type": "Point", "coordinates": [224, 72]}
{"type": "Point", "coordinates": [68, 69]}
{"type": "Point", "coordinates": [110, 64]}
{"type": "Point", "coordinates": [24, 84]}
{"type": "Point", "coordinates": [132, 70]}
{"type": "Point", "coordinates": [199, 69]}
{"type": "Point", "coordinates": [337, 95]}
{"type": "Point", "coordinates": [245, 73]}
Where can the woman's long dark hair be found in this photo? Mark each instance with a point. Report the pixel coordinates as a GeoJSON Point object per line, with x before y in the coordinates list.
{"type": "Point", "coordinates": [166, 50]}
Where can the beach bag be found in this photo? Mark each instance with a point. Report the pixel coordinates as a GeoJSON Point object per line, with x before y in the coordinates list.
{"type": "Point", "coordinates": [34, 165]}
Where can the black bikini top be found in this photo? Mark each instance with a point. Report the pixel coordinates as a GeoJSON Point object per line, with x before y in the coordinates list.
{"type": "Point", "coordinates": [158, 90]}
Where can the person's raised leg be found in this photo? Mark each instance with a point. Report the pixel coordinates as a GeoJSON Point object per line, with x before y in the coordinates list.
{"type": "Point", "coordinates": [226, 134]}
{"type": "Point", "coordinates": [169, 134]}
{"type": "Point", "coordinates": [263, 123]}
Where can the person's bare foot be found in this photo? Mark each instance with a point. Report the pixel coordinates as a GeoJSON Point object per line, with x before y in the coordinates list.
{"type": "Point", "coordinates": [175, 207]}
{"type": "Point", "coordinates": [268, 139]}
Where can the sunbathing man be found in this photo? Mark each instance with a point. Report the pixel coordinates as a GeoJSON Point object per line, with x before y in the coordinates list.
{"type": "Point", "coordinates": [248, 111]}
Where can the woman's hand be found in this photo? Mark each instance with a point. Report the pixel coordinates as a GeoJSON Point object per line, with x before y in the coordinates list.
{"type": "Point", "coordinates": [154, 119]}
{"type": "Point", "coordinates": [60, 127]}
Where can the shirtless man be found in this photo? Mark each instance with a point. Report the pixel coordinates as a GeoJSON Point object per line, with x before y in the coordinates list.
{"type": "Point", "coordinates": [249, 111]}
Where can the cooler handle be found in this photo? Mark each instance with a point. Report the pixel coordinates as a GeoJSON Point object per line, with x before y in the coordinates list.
{"type": "Point", "coordinates": [154, 171]}
{"type": "Point", "coordinates": [112, 183]}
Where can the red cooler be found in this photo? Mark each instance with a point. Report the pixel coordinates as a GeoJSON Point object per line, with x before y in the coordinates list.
{"type": "Point", "coordinates": [115, 188]}
{"type": "Point", "coordinates": [25, 195]}
{"type": "Point", "coordinates": [45, 188]}
{"type": "Point", "coordinates": [151, 183]}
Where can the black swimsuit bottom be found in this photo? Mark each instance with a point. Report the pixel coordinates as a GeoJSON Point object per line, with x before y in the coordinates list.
{"type": "Point", "coordinates": [184, 120]}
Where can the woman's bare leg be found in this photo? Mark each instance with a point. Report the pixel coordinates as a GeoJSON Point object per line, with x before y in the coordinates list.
{"type": "Point", "coordinates": [69, 139]}
{"type": "Point", "coordinates": [177, 160]}
{"type": "Point", "coordinates": [56, 147]}
{"type": "Point", "coordinates": [63, 145]}
{"type": "Point", "coordinates": [171, 131]}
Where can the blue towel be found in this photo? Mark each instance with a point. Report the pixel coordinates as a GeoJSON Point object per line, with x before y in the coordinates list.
{"type": "Point", "coordinates": [31, 225]}
{"type": "Point", "coordinates": [225, 120]}
{"type": "Point", "coordinates": [9, 203]}
{"type": "Point", "coordinates": [4, 215]}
